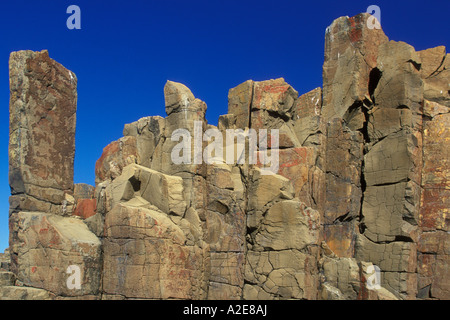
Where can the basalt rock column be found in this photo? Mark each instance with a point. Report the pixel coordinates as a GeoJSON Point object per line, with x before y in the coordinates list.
{"type": "Point", "coordinates": [433, 256]}
{"type": "Point", "coordinates": [351, 51]}
{"type": "Point", "coordinates": [44, 240]}
{"type": "Point", "coordinates": [42, 109]}
{"type": "Point", "coordinates": [371, 103]}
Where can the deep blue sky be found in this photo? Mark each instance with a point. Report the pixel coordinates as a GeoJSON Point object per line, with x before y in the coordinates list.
{"type": "Point", "coordinates": [127, 50]}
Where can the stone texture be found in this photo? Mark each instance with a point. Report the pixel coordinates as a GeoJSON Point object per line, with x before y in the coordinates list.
{"type": "Point", "coordinates": [42, 110]}
{"type": "Point", "coordinates": [343, 182]}
{"type": "Point", "coordinates": [24, 293]}
{"type": "Point", "coordinates": [85, 205]}
{"type": "Point", "coordinates": [45, 245]}
{"type": "Point", "coordinates": [392, 167]}
{"type": "Point", "coordinates": [83, 191]}
{"type": "Point", "coordinates": [342, 277]}
{"type": "Point", "coordinates": [117, 155]}
{"type": "Point", "coordinates": [435, 71]}
{"type": "Point", "coordinates": [177, 97]}
{"type": "Point", "coordinates": [225, 230]}
{"type": "Point", "coordinates": [5, 260]}
{"type": "Point", "coordinates": [7, 278]}
{"type": "Point", "coordinates": [340, 238]}
{"type": "Point", "coordinates": [162, 191]}
{"type": "Point", "coordinates": [287, 225]}
{"type": "Point", "coordinates": [433, 244]}
{"type": "Point", "coordinates": [145, 256]}
{"type": "Point", "coordinates": [275, 96]}
{"type": "Point", "coordinates": [375, 292]}
{"type": "Point", "coordinates": [400, 83]}
{"type": "Point", "coordinates": [239, 103]}
{"type": "Point", "coordinates": [148, 132]}
{"type": "Point", "coordinates": [85, 208]}
{"type": "Point", "coordinates": [308, 105]}
{"type": "Point", "coordinates": [346, 278]}
{"type": "Point", "coordinates": [351, 51]}
{"type": "Point", "coordinates": [285, 274]}
{"type": "Point", "coordinates": [255, 103]}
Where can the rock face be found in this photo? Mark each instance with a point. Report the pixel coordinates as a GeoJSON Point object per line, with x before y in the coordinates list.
{"type": "Point", "coordinates": [45, 240]}
{"type": "Point", "coordinates": [339, 193]}
{"type": "Point", "coordinates": [42, 132]}
{"type": "Point", "coordinates": [48, 245]}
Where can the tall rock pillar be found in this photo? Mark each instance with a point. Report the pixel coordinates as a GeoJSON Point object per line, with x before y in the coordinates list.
{"type": "Point", "coordinates": [42, 108]}
{"type": "Point", "coordinates": [44, 241]}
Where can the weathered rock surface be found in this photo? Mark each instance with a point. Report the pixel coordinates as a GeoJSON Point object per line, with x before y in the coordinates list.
{"type": "Point", "coordinates": [115, 156]}
{"type": "Point", "coordinates": [434, 242]}
{"type": "Point", "coordinates": [435, 70]}
{"type": "Point", "coordinates": [356, 208]}
{"type": "Point", "coordinates": [146, 256]}
{"type": "Point", "coordinates": [5, 260]}
{"type": "Point", "coordinates": [45, 245]}
{"type": "Point", "coordinates": [42, 131]}
{"type": "Point", "coordinates": [45, 240]}
{"type": "Point", "coordinates": [23, 293]}
{"type": "Point", "coordinates": [351, 51]}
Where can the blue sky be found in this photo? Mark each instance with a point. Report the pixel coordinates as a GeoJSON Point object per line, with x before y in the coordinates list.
{"type": "Point", "coordinates": [127, 50]}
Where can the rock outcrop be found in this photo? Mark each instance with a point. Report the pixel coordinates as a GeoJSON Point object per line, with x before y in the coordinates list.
{"type": "Point", "coordinates": [45, 239]}
{"type": "Point", "coordinates": [339, 193]}
{"type": "Point", "coordinates": [42, 132]}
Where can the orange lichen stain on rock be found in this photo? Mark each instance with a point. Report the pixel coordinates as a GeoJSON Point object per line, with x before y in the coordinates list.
{"type": "Point", "coordinates": [110, 149]}
{"type": "Point", "coordinates": [48, 235]}
{"type": "Point", "coordinates": [433, 212]}
{"type": "Point", "coordinates": [355, 33]}
{"type": "Point", "coordinates": [293, 157]}
{"type": "Point", "coordinates": [43, 231]}
{"type": "Point", "coordinates": [363, 293]}
{"type": "Point", "coordinates": [85, 208]}
{"type": "Point", "coordinates": [275, 89]}
{"type": "Point", "coordinates": [339, 246]}
{"type": "Point", "coordinates": [340, 239]}
{"type": "Point", "coordinates": [182, 254]}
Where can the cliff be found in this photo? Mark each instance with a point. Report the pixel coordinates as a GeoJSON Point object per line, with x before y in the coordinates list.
{"type": "Point", "coordinates": [339, 193]}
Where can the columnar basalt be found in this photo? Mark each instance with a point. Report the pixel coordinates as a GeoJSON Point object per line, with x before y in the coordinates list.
{"type": "Point", "coordinates": [44, 237]}
{"type": "Point", "coordinates": [42, 132]}
{"type": "Point", "coordinates": [362, 184]}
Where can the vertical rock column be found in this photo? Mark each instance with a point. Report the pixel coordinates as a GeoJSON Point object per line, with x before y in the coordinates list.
{"type": "Point", "coordinates": [371, 103]}
{"type": "Point", "coordinates": [351, 51]}
{"type": "Point", "coordinates": [392, 169]}
{"type": "Point", "coordinates": [42, 132]}
{"type": "Point", "coordinates": [282, 231]}
{"type": "Point", "coordinates": [153, 237]}
{"type": "Point", "coordinates": [211, 196]}
{"type": "Point", "coordinates": [386, 108]}
{"type": "Point", "coordinates": [433, 256]}
{"type": "Point", "coordinates": [44, 241]}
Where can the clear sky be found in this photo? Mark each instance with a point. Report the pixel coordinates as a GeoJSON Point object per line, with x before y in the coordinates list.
{"type": "Point", "coordinates": [127, 50]}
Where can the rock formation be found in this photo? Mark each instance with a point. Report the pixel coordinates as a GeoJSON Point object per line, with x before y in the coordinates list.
{"type": "Point", "coordinates": [361, 190]}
